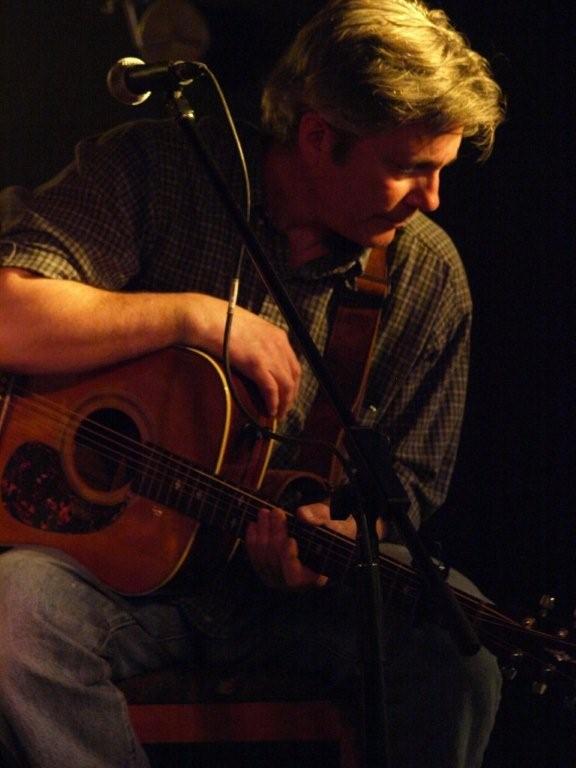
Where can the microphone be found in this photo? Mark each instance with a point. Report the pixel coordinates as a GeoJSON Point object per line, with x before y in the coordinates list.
{"type": "Point", "coordinates": [131, 81]}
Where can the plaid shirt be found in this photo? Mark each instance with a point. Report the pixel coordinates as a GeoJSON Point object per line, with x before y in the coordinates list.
{"type": "Point", "coordinates": [135, 211]}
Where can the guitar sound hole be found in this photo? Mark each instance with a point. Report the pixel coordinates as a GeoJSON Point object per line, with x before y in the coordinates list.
{"type": "Point", "coordinates": [106, 449]}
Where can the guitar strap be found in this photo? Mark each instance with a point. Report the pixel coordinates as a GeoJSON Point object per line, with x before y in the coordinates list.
{"type": "Point", "coordinates": [347, 356]}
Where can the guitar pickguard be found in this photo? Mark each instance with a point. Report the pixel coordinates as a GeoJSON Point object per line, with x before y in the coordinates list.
{"type": "Point", "coordinates": [35, 491]}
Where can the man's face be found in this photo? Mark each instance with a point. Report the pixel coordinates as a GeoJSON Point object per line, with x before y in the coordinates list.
{"type": "Point", "coordinates": [381, 182]}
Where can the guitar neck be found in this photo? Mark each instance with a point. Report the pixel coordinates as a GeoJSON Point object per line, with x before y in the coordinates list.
{"type": "Point", "coordinates": [169, 480]}
{"type": "Point", "coordinates": [176, 483]}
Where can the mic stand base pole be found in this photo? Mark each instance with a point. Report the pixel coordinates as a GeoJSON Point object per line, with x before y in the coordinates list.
{"type": "Point", "coordinates": [368, 589]}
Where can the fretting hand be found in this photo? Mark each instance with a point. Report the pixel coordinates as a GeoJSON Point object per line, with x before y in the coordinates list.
{"type": "Point", "coordinates": [274, 554]}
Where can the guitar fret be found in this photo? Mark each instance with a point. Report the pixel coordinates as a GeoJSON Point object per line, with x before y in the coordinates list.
{"type": "Point", "coordinates": [316, 552]}
{"type": "Point", "coordinates": [163, 480]}
{"type": "Point", "coordinates": [175, 493]}
{"type": "Point", "coordinates": [141, 482]}
{"type": "Point", "coordinates": [233, 523]}
{"type": "Point", "coordinates": [158, 480]}
{"type": "Point", "coordinates": [216, 508]}
{"type": "Point", "coordinates": [235, 519]}
{"type": "Point", "coordinates": [195, 503]}
{"type": "Point", "coordinates": [203, 497]}
{"type": "Point", "coordinates": [397, 593]}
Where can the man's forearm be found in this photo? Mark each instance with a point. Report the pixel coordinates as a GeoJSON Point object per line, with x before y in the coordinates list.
{"type": "Point", "coordinates": [49, 326]}
{"type": "Point", "coordinates": [60, 326]}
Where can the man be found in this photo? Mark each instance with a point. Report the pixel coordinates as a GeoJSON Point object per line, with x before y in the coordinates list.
{"type": "Point", "coordinates": [128, 252]}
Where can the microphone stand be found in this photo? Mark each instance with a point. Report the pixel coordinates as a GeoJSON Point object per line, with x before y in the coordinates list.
{"type": "Point", "coordinates": [379, 491]}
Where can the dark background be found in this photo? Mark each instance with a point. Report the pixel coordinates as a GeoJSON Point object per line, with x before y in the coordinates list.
{"type": "Point", "coordinates": [509, 520]}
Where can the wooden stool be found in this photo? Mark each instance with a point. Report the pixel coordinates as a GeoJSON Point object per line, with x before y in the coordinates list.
{"type": "Point", "coordinates": [244, 722]}
{"type": "Point", "coordinates": [177, 718]}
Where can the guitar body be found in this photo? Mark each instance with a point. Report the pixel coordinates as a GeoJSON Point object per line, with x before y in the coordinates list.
{"type": "Point", "coordinates": [72, 448]}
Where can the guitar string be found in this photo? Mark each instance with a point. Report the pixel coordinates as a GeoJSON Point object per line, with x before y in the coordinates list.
{"type": "Point", "coordinates": [410, 588]}
{"type": "Point", "coordinates": [50, 411]}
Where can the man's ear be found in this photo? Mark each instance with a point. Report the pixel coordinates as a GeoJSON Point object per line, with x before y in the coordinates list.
{"type": "Point", "coordinates": [316, 137]}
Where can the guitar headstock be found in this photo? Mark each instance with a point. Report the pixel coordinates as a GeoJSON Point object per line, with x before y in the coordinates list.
{"type": "Point", "coordinates": [537, 650]}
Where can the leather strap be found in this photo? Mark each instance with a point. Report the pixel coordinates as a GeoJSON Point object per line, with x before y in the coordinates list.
{"type": "Point", "coordinates": [348, 355]}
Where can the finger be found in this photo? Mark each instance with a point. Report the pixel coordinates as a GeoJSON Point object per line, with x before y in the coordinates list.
{"type": "Point", "coordinates": [282, 364]}
{"type": "Point", "coordinates": [284, 372]}
{"type": "Point", "coordinates": [257, 539]}
{"type": "Point", "coordinates": [266, 542]}
{"type": "Point", "coordinates": [319, 514]}
{"type": "Point", "coordinates": [268, 387]}
{"type": "Point", "coordinates": [314, 514]}
{"type": "Point", "coordinates": [295, 574]}
{"type": "Point", "coordinates": [287, 391]}
{"type": "Point", "coordinates": [274, 555]}
{"type": "Point", "coordinates": [278, 390]}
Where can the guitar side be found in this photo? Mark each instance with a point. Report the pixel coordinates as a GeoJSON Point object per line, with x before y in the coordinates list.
{"type": "Point", "coordinates": [71, 446]}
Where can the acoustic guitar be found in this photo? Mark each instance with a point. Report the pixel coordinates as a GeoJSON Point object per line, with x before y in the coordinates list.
{"type": "Point", "coordinates": [119, 468]}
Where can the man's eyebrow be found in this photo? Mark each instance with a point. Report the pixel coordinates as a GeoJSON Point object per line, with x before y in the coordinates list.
{"type": "Point", "coordinates": [430, 164]}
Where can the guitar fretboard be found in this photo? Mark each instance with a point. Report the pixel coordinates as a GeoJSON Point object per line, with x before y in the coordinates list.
{"type": "Point", "coordinates": [167, 479]}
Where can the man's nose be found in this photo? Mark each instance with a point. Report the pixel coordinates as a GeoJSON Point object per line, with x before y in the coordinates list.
{"type": "Point", "coordinates": [425, 194]}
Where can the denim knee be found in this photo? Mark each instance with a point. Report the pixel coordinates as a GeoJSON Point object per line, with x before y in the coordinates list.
{"type": "Point", "coordinates": [442, 704]}
{"type": "Point", "coordinates": [37, 600]}
{"type": "Point", "coordinates": [55, 689]}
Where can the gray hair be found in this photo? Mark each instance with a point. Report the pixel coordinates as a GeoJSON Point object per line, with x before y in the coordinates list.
{"type": "Point", "coordinates": [371, 65]}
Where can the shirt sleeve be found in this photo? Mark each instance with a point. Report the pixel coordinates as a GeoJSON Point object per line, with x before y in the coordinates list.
{"type": "Point", "coordinates": [417, 393]}
{"type": "Point", "coordinates": [425, 438]}
{"type": "Point", "coordinates": [87, 224]}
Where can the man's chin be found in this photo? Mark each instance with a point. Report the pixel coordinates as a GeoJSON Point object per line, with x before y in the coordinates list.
{"type": "Point", "coordinates": [382, 239]}
{"type": "Point", "coordinates": [372, 237]}
{"type": "Point", "coordinates": [381, 231]}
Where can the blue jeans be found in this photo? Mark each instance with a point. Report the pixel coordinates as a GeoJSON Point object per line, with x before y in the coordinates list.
{"type": "Point", "coordinates": [65, 639]}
